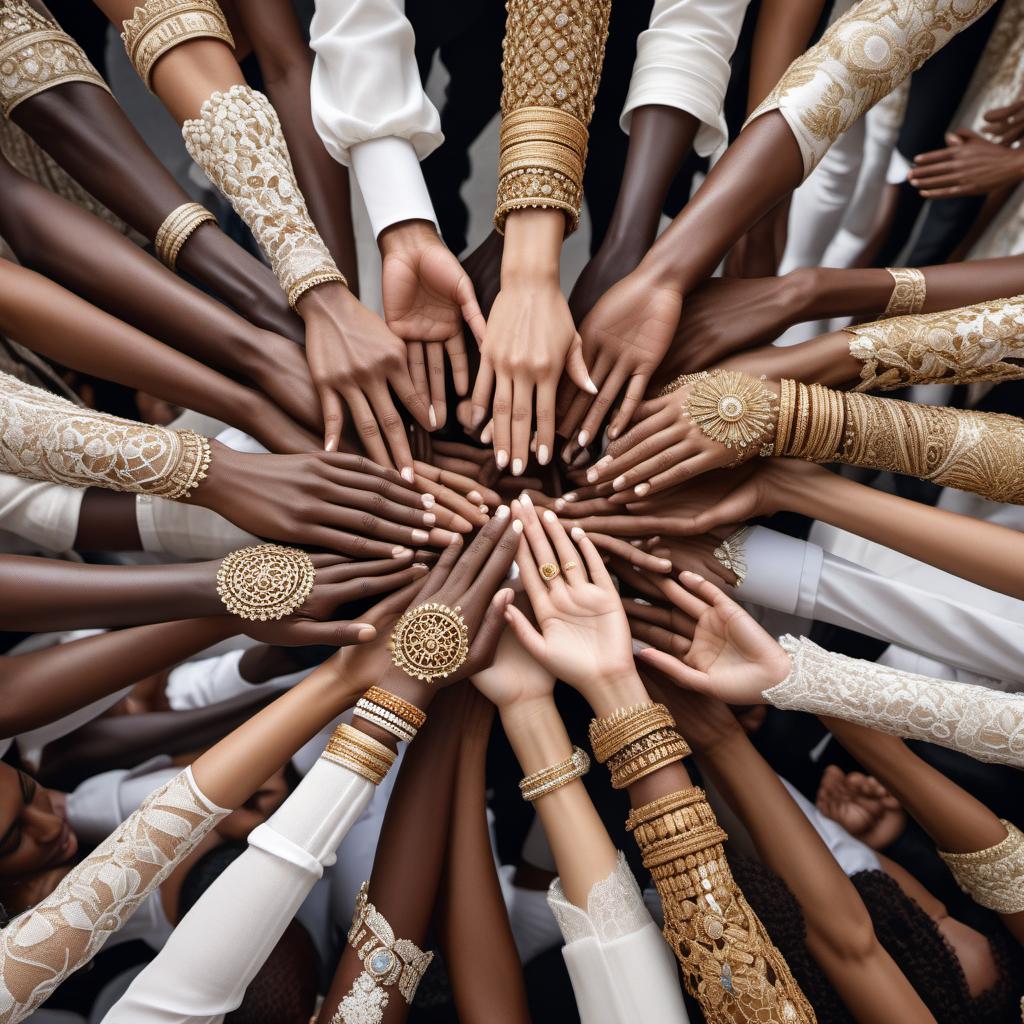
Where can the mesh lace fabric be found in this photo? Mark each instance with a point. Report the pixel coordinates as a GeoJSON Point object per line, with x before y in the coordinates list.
{"type": "Point", "coordinates": [985, 724]}
{"type": "Point", "coordinates": [861, 58]}
{"type": "Point", "coordinates": [41, 947]}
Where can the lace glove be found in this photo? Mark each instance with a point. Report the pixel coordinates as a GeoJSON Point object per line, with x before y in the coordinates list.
{"type": "Point", "coordinates": [62, 933]}
{"type": "Point", "coordinates": [986, 724]}
{"type": "Point", "coordinates": [238, 142]}
{"type": "Point", "coordinates": [551, 66]}
{"type": "Point", "coordinates": [862, 57]}
{"type": "Point", "coordinates": [729, 963]}
{"type": "Point", "coordinates": [44, 437]}
{"type": "Point", "coordinates": [620, 967]}
{"type": "Point", "coordinates": [980, 342]}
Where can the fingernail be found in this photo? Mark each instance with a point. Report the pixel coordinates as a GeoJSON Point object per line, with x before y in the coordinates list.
{"type": "Point", "coordinates": [501, 458]}
{"type": "Point", "coordinates": [502, 513]}
{"type": "Point", "coordinates": [543, 455]}
{"type": "Point", "coordinates": [665, 565]}
{"type": "Point", "coordinates": [420, 565]}
{"type": "Point", "coordinates": [476, 416]}
{"type": "Point", "coordinates": [549, 516]}
{"type": "Point", "coordinates": [618, 483]}
{"type": "Point", "coordinates": [571, 496]}
{"type": "Point", "coordinates": [525, 499]}
{"type": "Point", "coordinates": [428, 500]}
{"type": "Point", "coordinates": [613, 432]}
{"type": "Point", "coordinates": [484, 508]}
{"type": "Point", "coordinates": [366, 632]}
{"type": "Point", "coordinates": [408, 474]}
{"type": "Point", "coordinates": [406, 553]}
{"type": "Point", "coordinates": [639, 646]}
{"type": "Point", "coordinates": [577, 533]}
{"type": "Point", "coordinates": [400, 552]}
{"type": "Point", "coordinates": [517, 467]}
{"type": "Point", "coordinates": [693, 576]}
{"type": "Point", "coordinates": [486, 434]}
{"type": "Point", "coordinates": [601, 463]}
{"type": "Point", "coordinates": [517, 526]}
{"type": "Point", "coordinates": [432, 416]}
{"type": "Point", "coordinates": [449, 535]}
{"type": "Point", "coordinates": [591, 386]}
{"type": "Point", "coordinates": [533, 444]}
{"type": "Point", "coordinates": [420, 536]}
{"type": "Point", "coordinates": [583, 438]}
{"type": "Point", "coordinates": [592, 475]}
{"type": "Point", "coordinates": [476, 497]}
{"type": "Point", "coordinates": [641, 489]}
{"type": "Point", "coordinates": [329, 445]}
{"type": "Point", "coordinates": [429, 519]}
{"type": "Point", "coordinates": [559, 504]}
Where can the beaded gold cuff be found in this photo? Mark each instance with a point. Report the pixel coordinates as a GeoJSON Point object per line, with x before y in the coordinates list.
{"type": "Point", "coordinates": [909, 290]}
{"type": "Point", "coordinates": [176, 230]}
{"type": "Point", "coordinates": [265, 581]}
{"type": "Point", "coordinates": [353, 749]}
{"type": "Point", "coordinates": [639, 759]}
{"type": "Point", "coordinates": [993, 878]}
{"type": "Point", "coordinates": [36, 55]}
{"type": "Point", "coordinates": [384, 719]}
{"type": "Point", "coordinates": [160, 25]}
{"type": "Point", "coordinates": [547, 780]}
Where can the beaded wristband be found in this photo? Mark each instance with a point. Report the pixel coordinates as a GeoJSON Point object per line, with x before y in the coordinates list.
{"type": "Point", "coordinates": [384, 719]}
{"type": "Point", "coordinates": [177, 229]}
{"type": "Point", "coordinates": [413, 717]}
{"type": "Point", "coordinates": [547, 780]}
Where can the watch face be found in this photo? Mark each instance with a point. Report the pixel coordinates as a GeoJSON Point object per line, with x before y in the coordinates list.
{"type": "Point", "coordinates": [380, 962]}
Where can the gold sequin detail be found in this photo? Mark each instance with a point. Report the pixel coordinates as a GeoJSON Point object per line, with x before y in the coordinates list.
{"type": "Point", "coordinates": [994, 877]}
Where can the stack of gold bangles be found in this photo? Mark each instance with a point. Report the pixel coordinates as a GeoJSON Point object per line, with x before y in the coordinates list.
{"type": "Point", "coordinates": [547, 780]}
{"type": "Point", "coordinates": [177, 229]}
{"type": "Point", "coordinates": [390, 713]}
{"type": "Point", "coordinates": [359, 753]}
{"type": "Point", "coordinates": [811, 421]}
{"type": "Point", "coordinates": [636, 741]}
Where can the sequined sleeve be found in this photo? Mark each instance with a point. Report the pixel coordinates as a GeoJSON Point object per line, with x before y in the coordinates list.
{"type": "Point", "coordinates": [43, 946]}
{"type": "Point", "coordinates": [553, 52]}
{"type": "Point", "coordinates": [986, 724]}
{"type": "Point", "coordinates": [730, 964]}
{"type": "Point", "coordinates": [44, 437]}
{"type": "Point", "coordinates": [861, 58]}
{"type": "Point", "coordinates": [980, 342]}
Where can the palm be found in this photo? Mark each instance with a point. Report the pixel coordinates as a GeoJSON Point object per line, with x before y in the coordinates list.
{"type": "Point", "coordinates": [513, 676]}
{"type": "Point", "coordinates": [419, 293]}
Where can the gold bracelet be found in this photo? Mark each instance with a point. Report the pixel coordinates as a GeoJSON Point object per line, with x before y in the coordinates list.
{"type": "Point", "coordinates": [680, 821]}
{"type": "Point", "coordinates": [265, 581]}
{"type": "Point", "coordinates": [626, 725]}
{"type": "Point", "coordinates": [176, 230]}
{"type": "Point", "coordinates": [547, 780]}
{"type": "Point", "coordinates": [160, 25]}
{"type": "Point", "coordinates": [310, 282]}
{"type": "Point", "coordinates": [353, 749]}
{"type": "Point", "coordinates": [409, 713]}
{"type": "Point", "coordinates": [663, 805]}
{"type": "Point", "coordinates": [993, 878]}
{"type": "Point", "coordinates": [787, 407]}
{"type": "Point", "coordinates": [818, 421]}
{"type": "Point", "coordinates": [430, 641]}
{"type": "Point", "coordinates": [734, 409]}
{"type": "Point", "coordinates": [190, 469]}
{"type": "Point", "coordinates": [681, 381]}
{"type": "Point", "coordinates": [677, 848]}
{"type": "Point", "coordinates": [909, 290]}
{"type": "Point", "coordinates": [384, 719]}
{"type": "Point", "coordinates": [648, 758]}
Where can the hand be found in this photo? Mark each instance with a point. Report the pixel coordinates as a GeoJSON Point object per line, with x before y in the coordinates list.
{"type": "Point", "coordinates": [707, 724]}
{"type": "Point", "coordinates": [609, 265]}
{"type": "Point", "coordinates": [426, 297]}
{"type": "Point", "coordinates": [862, 805]}
{"type": "Point", "coordinates": [353, 358]}
{"type": "Point", "coordinates": [483, 265]}
{"type": "Point", "coordinates": [329, 500]}
{"type": "Point", "coordinates": [625, 338]}
{"type": "Point", "coordinates": [730, 657]}
{"type": "Point", "coordinates": [759, 251]}
{"type": "Point", "coordinates": [277, 367]}
{"type": "Point", "coordinates": [1006, 124]}
{"type": "Point", "coordinates": [514, 677]}
{"type": "Point", "coordinates": [697, 554]}
{"type": "Point", "coordinates": [969, 166]}
{"type": "Point", "coordinates": [337, 583]}
{"type": "Point", "coordinates": [581, 635]}
{"type": "Point", "coordinates": [257, 415]}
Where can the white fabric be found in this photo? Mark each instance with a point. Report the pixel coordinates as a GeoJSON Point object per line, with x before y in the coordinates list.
{"type": "Point", "coordinates": [37, 516]}
{"type": "Point", "coordinates": [186, 531]}
{"type": "Point", "coordinates": [369, 106]}
{"type": "Point", "coordinates": [850, 853]}
{"type": "Point", "coordinates": [218, 947]}
{"type": "Point", "coordinates": [682, 61]}
{"type": "Point", "coordinates": [198, 684]}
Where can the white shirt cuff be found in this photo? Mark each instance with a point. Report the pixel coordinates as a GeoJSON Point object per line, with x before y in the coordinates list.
{"type": "Point", "coordinates": [782, 572]}
{"type": "Point", "coordinates": [390, 179]}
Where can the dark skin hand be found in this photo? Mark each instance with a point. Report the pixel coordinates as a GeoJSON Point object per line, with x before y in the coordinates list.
{"type": "Point", "coordinates": [1005, 124]}
{"type": "Point", "coordinates": [862, 805]}
{"type": "Point", "coordinates": [483, 265]}
{"type": "Point", "coordinates": [970, 165]}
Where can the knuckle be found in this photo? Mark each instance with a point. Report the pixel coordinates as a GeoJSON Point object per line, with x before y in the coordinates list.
{"type": "Point", "coordinates": [367, 428]}
{"type": "Point", "coordinates": [368, 521]}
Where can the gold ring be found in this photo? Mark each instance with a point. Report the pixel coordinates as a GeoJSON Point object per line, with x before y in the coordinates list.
{"type": "Point", "coordinates": [550, 571]}
{"type": "Point", "coordinates": [569, 566]}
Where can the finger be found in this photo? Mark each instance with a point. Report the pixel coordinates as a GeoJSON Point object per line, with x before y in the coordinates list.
{"type": "Point", "coordinates": [334, 634]}
{"type": "Point", "coordinates": [573, 566]}
{"type": "Point", "coordinates": [366, 586]}
{"type": "Point", "coordinates": [394, 430]}
{"type": "Point", "coordinates": [501, 414]}
{"type": "Point", "coordinates": [570, 422]}
{"type": "Point", "coordinates": [678, 671]}
{"type": "Point", "coordinates": [657, 637]}
{"type": "Point", "coordinates": [595, 564]}
{"type": "Point", "coordinates": [602, 403]}
{"type": "Point", "coordinates": [441, 571]}
{"type": "Point", "coordinates": [475, 556]}
{"type": "Point", "coordinates": [634, 555]}
{"type": "Point", "coordinates": [495, 570]}
{"type": "Point", "coordinates": [412, 399]}
{"type": "Point", "coordinates": [934, 156]}
{"type": "Point", "coordinates": [576, 367]}
{"type": "Point", "coordinates": [470, 307]}
{"type": "Point", "coordinates": [652, 438]}
{"type": "Point", "coordinates": [670, 619]}
{"type": "Point", "coordinates": [361, 466]}
{"type": "Point", "coordinates": [334, 417]}
{"type": "Point", "coordinates": [453, 501]}
{"type": "Point", "coordinates": [945, 193]}
{"type": "Point", "coordinates": [526, 633]}
{"type": "Point", "coordinates": [342, 572]}
{"type": "Point", "coordinates": [485, 643]}
{"type": "Point", "coordinates": [438, 386]}
{"type": "Point", "coordinates": [594, 507]}
{"type": "Point", "coordinates": [331, 539]}
{"type": "Point", "coordinates": [522, 421]}
{"type": "Point", "coordinates": [685, 600]}
{"type": "Point", "coordinates": [703, 462]}
{"type": "Point", "coordinates": [386, 610]}
{"type": "Point", "coordinates": [535, 536]}
{"type": "Point", "coordinates": [367, 428]}
{"type": "Point", "coordinates": [471, 488]}
{"type": "Point", "coordinates": [529, 575]}
{"type": "Point", "coordinates": [707, 591]}
{"type": "Point", "coordinates": [378, 507]}
{"type": "Point", "coordinates": [630, 525]}
{"type": "Point", "coordinates": [416, 358]}
{"type": "Point", "coordinates": [546, 391]}
{"type": "Point", "coordinates": [480, 401]}
{"type": "Point", "coordinates": [455, 346]}
{"type": "Point", "coordinates": [631, 401]}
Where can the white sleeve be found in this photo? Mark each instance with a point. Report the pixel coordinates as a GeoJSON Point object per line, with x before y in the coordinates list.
{"type": "Point", "coordinates": [222, 942]}
{"type": "Point", "coordinates": [682, 60]}
{"type": "Point", "coordinates": [369, 106]}
{"type": "Point", "coordinates": [186, 531]}
{"type": "Point", "coordinates": [44, 514]}
{"type": "Point", "coordinates": [620, 966]}
{"type": "Point", "coordinates": [198, 684]}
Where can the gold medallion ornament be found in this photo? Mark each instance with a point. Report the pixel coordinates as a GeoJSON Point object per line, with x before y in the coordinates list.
{"type": "Point", "coordinates": [550, 571]}
{"type": "Point", "coordinates": [265, 581]}
{"type": "Point", "coordinates": [734, 409]}
{"type": "Point", "coordinates": [430, 642]}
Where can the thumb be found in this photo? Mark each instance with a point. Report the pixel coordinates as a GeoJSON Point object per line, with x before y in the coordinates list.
{"type": "Point", "coordinates": [334, 418]}
{"type": "Point", "coordinates": [531, 640]}
{"type": "Point", "coordinates": [679, 672]}
{"type": "Point", "coordinates": [576, 367]}
{"type": "Point", "coordinates": [485, 643]}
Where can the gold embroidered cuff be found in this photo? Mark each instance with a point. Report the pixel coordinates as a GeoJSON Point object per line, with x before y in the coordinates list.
{"type": "Point", "coordinates": [160, 25]}
{"type": "Point", "coordinates": [638, 760]}
{"type": "Point", "coordinates": [664, 805]}
{"type": "Point", "coordinates": [265, 581]}
{"type": "Point", "coordinates": [362, 754]}
{"type": "Point", "coordinates": [538, 188]}
{"type": "Point", "coordinates": [36, 55]}
{"type": "Point", "coordinates": [610, 734]}
{"type": "Point", "coordinates": [547, 780]}
{"type": "Point", "coordinates": [909, 290]}
{"type": "Point", "coordinates": [994, 878]}
{"type": "Point", "coordinates": [176, 230]}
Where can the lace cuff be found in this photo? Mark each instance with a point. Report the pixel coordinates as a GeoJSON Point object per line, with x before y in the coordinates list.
{"type": "Point", "coordinates": [36, 54]}
{"type": "Point", "coordinates": [44, 437]}
{"type": "Point", "coordinates": [993, 877]}
{"type": "Point", "coordinates": [980, 342]}
{"type": "Point", "coordinates": [43, 946]}
{"type": "Point", "coordinates": [238, 142]}
{"type": "Point", "coordinates": [615, 908]}
{"type": "Point", "coordinates": [861, 58]}
{"type": "Point", "coordinates": [553, 53]}
{"type": "Point", "coordinates": [983, 723]}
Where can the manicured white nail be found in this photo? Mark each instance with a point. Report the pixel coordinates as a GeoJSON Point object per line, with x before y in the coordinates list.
{"type": "Point", "coordinates": [420, 565]}
{"type": "Point", "coordinates": [408, 474]}
{"type": "Point", "coordinates": [429, 519]}
{"type": "Point", "coordinates": [591, 386]}
{"type": "Point", "coordinates": [549, 516]}
{"type": "Point", "coordinates": [592, 475]}
{"type": "Point", "coordinates": [559, 504]}
{"type": "Point", "coordinates": [476, 497]}
{"type": "Point", "coordinates": [501, 458]}
{"type": "Point", "coordinates": [400, 552]}
{"type": "Point", "coordinates": [365, 631]}
{"type": "Point", "coordinates": [486, 434]}
{"type": "Point", "coordinates": [571, 496]}
{"type": "Point", "coordinates": [640, 600]}
{"type": "Point", "coordinates": [484, 509]}
{"type": "Point", "coordinates": [543, 455]}
{"type": "Point", "coordinates": [502, 512]}
{"type": "Point", "coordinates": [420, 536]}
{"type": "Point", "coordinates": [517, 526]}
{"type": "Point", "coordinates": [613, 432]}
{"type": "Point", "coordinates": [525, 499]}
{"type": "Point", "coordinates": [618, 483]}
{"type": "Point", "coordinates": [432, 417]}
{"type": "Point", "coordinates": [641, 489]}
{"type": "Point", "coordinates": [577, 533]}
{"type": "Point", "coordinates": [428, 500]}
{"type": "Point", "coordinates": [517, 467]}
{"type": "Point", "coordinates": [583, 438]}
{"type": "Point", "coordinates": [639, 646]}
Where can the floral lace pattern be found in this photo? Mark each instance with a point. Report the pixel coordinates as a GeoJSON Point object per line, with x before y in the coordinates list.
{"type": "Point", "coordinates": [983, 723]}
{"type": "Point", "coordinates": [993, 877]}
{"type": "Point", "coordinates": [43, 946]}
{"type": "Point", "coordinates": [615, 908]}
{"type": "Point", "coordinates": [958, 345]}
{"type": "Point", "coordinates": [238, 142]}
{"type": "Point", "coordinates": [861, 57]}
{"type": "Point", "coordinates": [36, 55]}
{"type": "Point", "coordinates": [44, 437]}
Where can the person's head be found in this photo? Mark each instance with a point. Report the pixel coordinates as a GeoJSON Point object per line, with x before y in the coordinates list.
{"type": "Point", "coordinates": [34, 832]}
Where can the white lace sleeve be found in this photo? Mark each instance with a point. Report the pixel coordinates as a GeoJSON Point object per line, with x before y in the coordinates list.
{"type": "Point", "coordinates": [43, 946]}
{"type": "Point", "coordinates": [45, 437]}
{"type": "Point", "coordinates": [984, 723]}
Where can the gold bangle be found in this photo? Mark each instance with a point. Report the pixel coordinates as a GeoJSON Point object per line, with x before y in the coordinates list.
{"type": "Point", "coordinates": [787, 406]}
{"type": "Point", "coordinates": [680, 821]}
{"type": "Point", "coordinates": [653, 752]}
{"type": "Point", "coordinates": [610, 734]}
{"type": "Point", "coordinates": [311, 281]}
{"type": "Point", "coordinates": [384, 719]}
{"type": "Point", "coordinates": [430, 641]}
{"type": "Point", "coordinates": [734, 409]}
{"type": "Point", "coordinates": [265, 581]}
{"type": "Point", "coordinates": [353, 749]}
{"type": "Point", "coordinates": [409, 713]}
{"type": "Point", "coordinates": [176, 230]}
{"type": "Point", "coordinates": [663, 805]}
{"type": "Point", "coordinates": [681, 381]}
{"type": "Point", "coordinates": [547, 780]}
{"type": "Point", "coordinates": [909, 291]}
{"type": "Point", "coordinates": [160, 25]}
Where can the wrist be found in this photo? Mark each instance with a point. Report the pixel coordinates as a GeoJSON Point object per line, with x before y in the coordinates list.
{"type": "Point", "coordinates": [324, 298]}
{"type": "Point", "coordinates": [407, 235]}
{"type": "Point", "coordinates": [533, 244]}
{"type": "Point", "coordinates": [614, 690]}
{"type": "Point", "coordinates": [659, 271]}
{"type": "Point", "coordinates": [536, 733]}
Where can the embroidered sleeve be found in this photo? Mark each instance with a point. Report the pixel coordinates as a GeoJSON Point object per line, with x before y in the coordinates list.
{"type": "Point", "coordinates": [994, 877]}
{"type": "Point", "coordinates": [553, 52]}
{"type": "Point", "coordinates": [36, 54]}
{"type": "Point", "coordinates": [44, 437]}
{"type": "Point", "coordinates": [983, 723]}
{"type": "Point", "coordinates": [862, 57]}
{"type": "Point", "coordinates": [980, 342]}
{"type": "Point", "coordinates": [237, 140]}
{"type": "Point", "coordinates": [43, 946]}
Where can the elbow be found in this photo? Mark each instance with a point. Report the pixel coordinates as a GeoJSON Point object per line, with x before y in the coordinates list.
{"type": "Point", "coordinates": [849, 938]}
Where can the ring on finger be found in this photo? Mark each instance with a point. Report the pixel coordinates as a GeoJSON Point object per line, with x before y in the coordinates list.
{"type": "Point", "coordinates": [549, 571]}
{"type": "Point", "coordinates": [569, 566]}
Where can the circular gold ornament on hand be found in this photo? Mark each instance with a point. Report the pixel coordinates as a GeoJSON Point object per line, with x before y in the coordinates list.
{"type": "Point", "coordinates": [265, 581]}
{"type": "Point", "coordinates": [550, 571]}
{"type": "Point", "coordinates": [732, 408]}
{"type": "Point", "coordinates": [430, 642]}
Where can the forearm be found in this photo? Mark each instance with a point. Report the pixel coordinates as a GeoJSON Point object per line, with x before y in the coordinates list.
{"type": "Point", "coordinates": [533, 245]}
{"type": "Point", "coordinates": [782, 34]}
{"type": "Point", "coordinates": [107, 522]}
